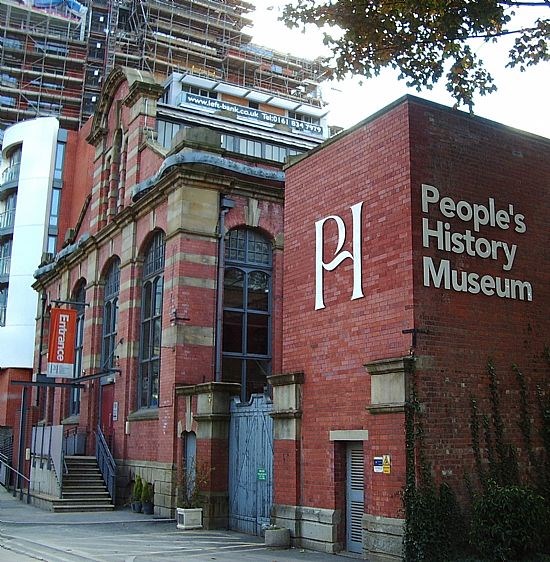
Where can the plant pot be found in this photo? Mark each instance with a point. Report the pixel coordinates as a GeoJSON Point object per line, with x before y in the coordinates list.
{"type": "Point", "coordinates": [189, 517]}
{"type": "Point", "coordinates": [147, 507]}
{"type": "Point", "coordinates": [136, 507]}
{"type": "Point", "coordinates": [277, 537]}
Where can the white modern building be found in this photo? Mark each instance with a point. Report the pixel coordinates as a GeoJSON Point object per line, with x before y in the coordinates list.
{"type": "Point", "coordinates": [30, 189]}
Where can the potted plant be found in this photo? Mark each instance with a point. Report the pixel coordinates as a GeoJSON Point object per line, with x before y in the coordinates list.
{"type": "Point", "coordinates": [137, 490]}
{"type": "Point", "coordinates": [194, 480]}
{"type": "Point", "coordinates": [147, 498]}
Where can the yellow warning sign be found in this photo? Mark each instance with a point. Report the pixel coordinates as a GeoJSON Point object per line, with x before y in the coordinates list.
{"type": "Point", "coordinates": [386, 464]}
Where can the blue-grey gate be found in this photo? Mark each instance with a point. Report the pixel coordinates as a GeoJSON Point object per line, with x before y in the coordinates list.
{"type": "Point", "coordinates": [250, 464]}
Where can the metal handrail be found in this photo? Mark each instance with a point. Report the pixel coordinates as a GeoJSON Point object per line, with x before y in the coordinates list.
{"type": "Point", "coordinates": [106, 462]}
{"type": "Point", "coordinates": [3, 461]}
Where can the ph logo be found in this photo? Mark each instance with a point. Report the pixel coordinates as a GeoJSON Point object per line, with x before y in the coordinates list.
{"type": "Point", "coordinates": [339, 256]}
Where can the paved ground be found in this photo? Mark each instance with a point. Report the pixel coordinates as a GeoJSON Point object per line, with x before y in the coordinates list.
{"type": "Point", "coordinates": [28, 533]}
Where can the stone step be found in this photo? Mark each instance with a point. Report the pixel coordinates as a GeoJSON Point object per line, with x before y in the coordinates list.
{"type": "Point", "coordinates": [73, 486]}
{"type": "Point", "coordinates": [83, 475]}
{"type": "Point", "coordinates": [83, 487]}
{"type": "Point", "coordinates": [84, 498]}
{"type": "Point", "coordinates": [78, 508]}
{"type": "Point", "coordinates": [67, 495]}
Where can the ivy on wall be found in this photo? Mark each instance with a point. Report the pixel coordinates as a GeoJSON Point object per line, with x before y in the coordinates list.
{"type": "Point", "coordinates": [509, 516]}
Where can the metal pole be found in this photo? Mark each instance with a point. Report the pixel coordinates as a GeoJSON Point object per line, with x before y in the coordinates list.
{"type": "Point", "coordinates": [225, 205]}
{"type": "Point", "coordinates": [22, 425]}
{"type": "Point", "coordinates": [44, 299]}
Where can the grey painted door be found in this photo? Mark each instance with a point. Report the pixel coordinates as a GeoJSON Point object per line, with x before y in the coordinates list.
{"type": "Point", "coordinates": [250, 464]}
{"type": "Point", "coordinates": [355, 496]}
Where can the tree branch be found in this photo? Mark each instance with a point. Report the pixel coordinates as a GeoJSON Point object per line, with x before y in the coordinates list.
{"type": "Point", "coordinates": [542, 3]}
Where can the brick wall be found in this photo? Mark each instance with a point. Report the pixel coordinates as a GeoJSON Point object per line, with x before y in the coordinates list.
{"type": "Point", "coordinates": [332, 345]}
{"type": "Point", "coordinates": [474, 160]}
{"type": "Point", "coordinates": [383, 163]}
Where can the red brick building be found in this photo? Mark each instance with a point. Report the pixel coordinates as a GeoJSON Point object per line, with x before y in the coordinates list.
{"type": "Point", "coordinates": [174, 266]}
{"type": "Point", "coordinates": [416, 248]}
{"type": "Point", "coordinates": [414, 251]}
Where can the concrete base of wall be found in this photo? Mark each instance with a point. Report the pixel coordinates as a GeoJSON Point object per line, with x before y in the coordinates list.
{"type": "Point", "coordinates": [277, 537]}
{"type": "Point", "coordinates": [310, 527]}
{"type": "Point", "coordinates": [215, 510]}
{"type": "Point", "coordinates": [43, 479]}
{"type": "Point", "coordinates": [162, 476]}
{"type": "Point", "coordinates": [43, 502]}
{"type": "Point", "coordinates": [382, 538]}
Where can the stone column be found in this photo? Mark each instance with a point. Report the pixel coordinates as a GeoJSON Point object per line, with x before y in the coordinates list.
{"type": "Point", "coordinates": [389, 380]}
{"type": "Point", "coordinates": [210, 413]}
{"type": "Point", "coordinates": [286, 416]}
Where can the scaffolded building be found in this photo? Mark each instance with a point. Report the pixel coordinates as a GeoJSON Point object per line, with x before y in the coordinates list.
{"type": "Point", "coordinates": [55, 54]}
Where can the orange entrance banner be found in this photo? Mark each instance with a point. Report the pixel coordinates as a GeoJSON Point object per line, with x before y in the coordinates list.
{"type": "Point", "coordinates": [61, 344]}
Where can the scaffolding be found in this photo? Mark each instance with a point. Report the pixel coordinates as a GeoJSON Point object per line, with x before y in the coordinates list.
{"type": "Point", "coordinates": [42, 59]}
{"type": "Point", "coordinates": [55, 55]}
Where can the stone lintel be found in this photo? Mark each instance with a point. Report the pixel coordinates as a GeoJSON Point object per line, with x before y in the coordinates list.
{"type": "Point", "coordinates": [391, 365]}
{"type": "Point", "coordinates": [349, 435]}
{"type": "Point", "coordinates": [211, 417]}
{"type": "Point", "coordinates": [207, 387]}
{"type": "Point", "coordinates": [286, 378]}
{"type": "Point", "coordinates": [386, 408]}
{"type": "Point", "coordinates": [286, 414]}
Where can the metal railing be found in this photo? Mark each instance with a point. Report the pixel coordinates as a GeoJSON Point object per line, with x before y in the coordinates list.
{"type": "Point", "coordinates": [11, 173]}
{"type": "Point", "coordinates": [4, 465]}
{"type": "Point", "coordinates": [5, 264]}
{"type": "Point", "coordinates": [7, 218]}
{"type": "Point", "coordinates": [74, 442]}
{"type": "Point", "coordinates": [106, 462]}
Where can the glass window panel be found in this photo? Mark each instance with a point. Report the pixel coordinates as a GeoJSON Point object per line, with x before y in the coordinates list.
{"type": "Point", "coordinates": [146, 301]}
{"type": "Point", "coordinates": [161, 132]}
{"type": "Point", "coordinates": [257, 334]}
{"type": "Point", "coordinates": [232, 332]}
{"type": "Point", "coordinates": [158, 297]}
{"type": "Point", "coordinates": [59, 159]}
{"type": "Point", "coordinates": [146, 340]}
{"type": "Point", "coordinates": [258, 250]}
{"type": "Point", "coordinates": [155, 383]}
{"type": "Point", "coordinates": [246, 326]}
{"type": "Point", "coordinates": [233, 288]}
{"type": "Point", "coordinates": [107, 309]}
{"type": "Point", "coordinates": [256, 377]}
{"type": "Point", "coordinates": [258, 290]}
{"type": "Point", "coordinates": [115, 316]}
{"type": "Point", "coordinates": [52, 243]}
{"type": "Point", "coordinates": [151, 332]}
{"type": "Point", "coordinates": [232, 369]}
{"type": "Point", "coordinates": [155, 352]}
{"type": "Point", "coordinates": [144, 387]}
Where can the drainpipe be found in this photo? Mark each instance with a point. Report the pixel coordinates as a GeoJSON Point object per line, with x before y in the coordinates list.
{"type": "Point", "coordinates": [225, 205]}
{"type": "Point", "coordinates": [44, 300]}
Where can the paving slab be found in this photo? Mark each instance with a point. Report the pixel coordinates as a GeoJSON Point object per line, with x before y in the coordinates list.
{"type": "Point", "coordinates": [28, 533]}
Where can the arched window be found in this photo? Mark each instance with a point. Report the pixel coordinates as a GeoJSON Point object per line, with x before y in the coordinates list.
{"type": "Point", "coordinates": [110, 316]}
{"type": "Point", "coordinates": [151, 324]}
{"type": "Point", "coordinates": [79, 296]}
{"type": "Point", "coordinates": [246, 342]}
